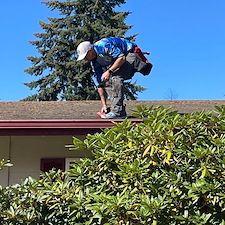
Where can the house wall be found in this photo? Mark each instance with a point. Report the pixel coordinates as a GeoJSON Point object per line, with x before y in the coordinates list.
{"type": "Point", "coordinates": [4, 154]}
{"type": "Point", "coordinates": [25, 152]}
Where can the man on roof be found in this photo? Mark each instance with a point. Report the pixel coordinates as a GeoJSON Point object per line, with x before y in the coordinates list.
{"type": "Point", "coordinates": [110, 60]}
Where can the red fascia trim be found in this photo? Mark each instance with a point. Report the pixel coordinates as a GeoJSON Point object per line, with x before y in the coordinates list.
{"type": "Point", "coordinates": [56, 127]}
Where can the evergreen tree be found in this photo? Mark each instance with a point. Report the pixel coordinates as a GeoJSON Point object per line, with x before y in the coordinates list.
{"type": "Point", "coordinates": [59, 75]}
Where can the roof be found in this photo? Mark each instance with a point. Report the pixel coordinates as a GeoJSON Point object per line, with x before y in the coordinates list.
{"type": "Point", "coordinates": [76, 117]}
{"type": "Point", "coordinates": [61, 110]}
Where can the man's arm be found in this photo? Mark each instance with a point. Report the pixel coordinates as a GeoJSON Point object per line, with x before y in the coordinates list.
{"type": "Point", "coordinates": [115, 66]}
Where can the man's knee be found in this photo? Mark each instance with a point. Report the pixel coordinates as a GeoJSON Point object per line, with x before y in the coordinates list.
{"type": "Point", "coordinates": [117, 86]}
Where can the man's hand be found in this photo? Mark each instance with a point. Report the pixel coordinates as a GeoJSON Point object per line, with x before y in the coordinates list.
{"type": "Point", "coordinates": [104, 109]}
{"type": "Point", "coordinates": [105, 76]}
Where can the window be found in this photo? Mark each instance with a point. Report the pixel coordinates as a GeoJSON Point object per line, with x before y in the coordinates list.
{"type": "Point", "coordinates": [57, 163]}
{"type": "Point", "coordinates": [50, 163]}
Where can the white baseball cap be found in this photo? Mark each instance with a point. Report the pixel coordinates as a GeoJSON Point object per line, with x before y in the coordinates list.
{"type": "Point", "coordinates": [82, 49]}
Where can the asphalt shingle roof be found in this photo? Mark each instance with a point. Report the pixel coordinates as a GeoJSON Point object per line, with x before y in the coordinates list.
{"type": "Point", "coordinates": [72, 110]}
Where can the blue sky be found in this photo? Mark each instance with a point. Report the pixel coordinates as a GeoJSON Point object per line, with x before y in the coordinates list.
{"type": "Point", "coordinates": [186, 40]}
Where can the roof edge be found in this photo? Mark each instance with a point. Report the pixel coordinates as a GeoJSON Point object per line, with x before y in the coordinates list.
{"type": "Point", "coordinates": [57, 127]}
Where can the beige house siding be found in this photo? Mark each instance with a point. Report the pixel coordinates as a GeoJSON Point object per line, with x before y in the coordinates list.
{"type": "Point", "coordinates": [4, 154]}
{"type": "Point", "coordinates": [25, 152]}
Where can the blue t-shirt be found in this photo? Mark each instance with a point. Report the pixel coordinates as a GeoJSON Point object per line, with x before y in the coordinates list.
{"type": "Point", "coordinates": [108, 50]}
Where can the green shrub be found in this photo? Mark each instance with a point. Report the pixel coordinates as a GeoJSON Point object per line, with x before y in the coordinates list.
{"type": "Point", "coordinates": [34, 202]}
{"type": "Point", "coordinates": [167, 170]}
{"type": "Point", "coordinates": [5, 163]}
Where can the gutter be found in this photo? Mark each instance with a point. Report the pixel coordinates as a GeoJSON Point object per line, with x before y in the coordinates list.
{"type": "Point", "coordinates": [56, 127]}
